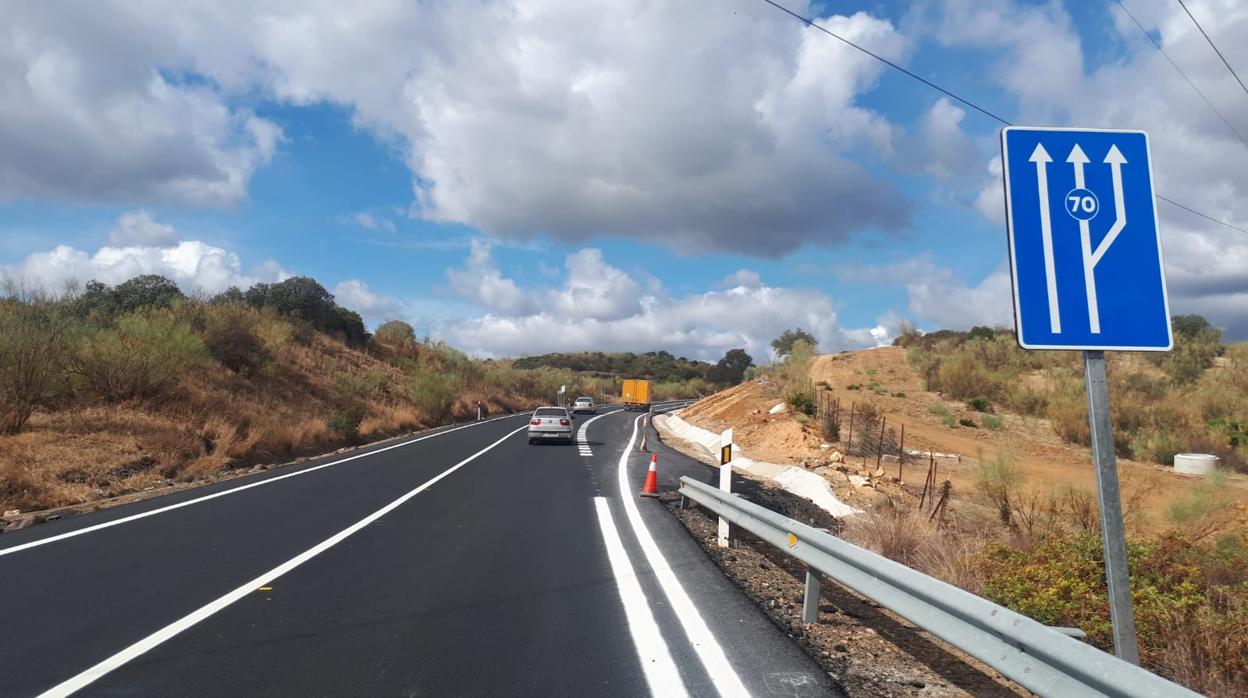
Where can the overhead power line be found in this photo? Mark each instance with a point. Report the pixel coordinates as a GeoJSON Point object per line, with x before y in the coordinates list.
{"type": "Point", "coordinates": [1215, 48]}
{"type": "Point", "coordinates": [1179, 70]}
{"type": "Point", "coordinates": [811, 23]}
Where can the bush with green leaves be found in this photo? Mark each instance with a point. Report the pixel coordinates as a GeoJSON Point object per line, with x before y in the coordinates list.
{"type": "Point", "coordinates": [802, 402]}
{"type": "Point", "coordinates": [346, 420]}
{"type": "Point", "coordinates": [434, 393]}
{"type": "Point", "coordinates": [979, 404]}
{"type": "Point", "coordinates": [32, 360]}
{"type": "Point", "coordinates": [135, 355]}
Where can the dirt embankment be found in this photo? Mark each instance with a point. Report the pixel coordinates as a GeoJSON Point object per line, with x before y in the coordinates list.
{"type": "Point", "coordinates": [884, 379]}
{"type": "Point", "coordinates": [215, 423]}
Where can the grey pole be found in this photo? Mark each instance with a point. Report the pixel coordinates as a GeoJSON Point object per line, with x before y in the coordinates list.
{"type": "Point", "coordinates": [1113, 536]}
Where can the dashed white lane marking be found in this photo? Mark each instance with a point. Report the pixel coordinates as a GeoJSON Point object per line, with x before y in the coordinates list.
{"type": "Point", "coordinates": [656, 661]}
{"type": "Point", "coordinates": [152, 641]}
{"type": "Point", "coordinates": [716, 663]}
{"type": "Point", "coordinates": [232, 490]}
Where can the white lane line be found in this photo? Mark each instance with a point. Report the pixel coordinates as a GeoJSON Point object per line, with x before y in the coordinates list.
{"type": "Point", "coordinates": [662, 676]}
{"type": "Point", "coordinates": [136, 650]}
{"type": "Point", "coordinates": [223, 493]}
{"type": "Point", "coordinates": [716, 663]}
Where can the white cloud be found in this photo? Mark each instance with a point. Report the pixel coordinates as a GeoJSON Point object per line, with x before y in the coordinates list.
{"type": "Point", "coordinates": [195, 266]}
{"type": "Point", "coordinates": [937, 295]}
{"type": "Point", "coordinates": [368, 221]}
{"type": "Point", "coordinates": [746, 278]}
{"type": "Point", "coordinates": [518, 117]}
{"type": "Point", "coordinates": [374, 307]}
{"type": "Point", "coordinates": [601, 306]}
{"type": "Point", "coordinates": [138, 228]}
{"type": "Point", "coordinates": [483, 284]}
{"type": "Point", "coordinates": [95, 110]}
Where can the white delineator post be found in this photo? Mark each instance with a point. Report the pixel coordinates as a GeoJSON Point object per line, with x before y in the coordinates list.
{"type": "Point", "coordinates": [725, 479]}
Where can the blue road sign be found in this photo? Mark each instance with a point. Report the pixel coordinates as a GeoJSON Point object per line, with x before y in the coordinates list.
{"type": "Point", "coordinates": [1085, 251]}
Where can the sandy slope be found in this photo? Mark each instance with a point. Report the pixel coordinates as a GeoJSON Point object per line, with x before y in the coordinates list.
{"type": "Point", "coordinates": [885, 379]}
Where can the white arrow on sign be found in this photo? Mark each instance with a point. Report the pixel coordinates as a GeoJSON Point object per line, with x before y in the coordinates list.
{"type": "Point", "coordinates": [1040, 156]}
{"type": "Point", "coordinates": [1079, 159]}
{"type": "Point", "coordinates": [1115, 160]}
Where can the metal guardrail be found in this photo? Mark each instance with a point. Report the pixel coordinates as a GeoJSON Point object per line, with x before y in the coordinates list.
{"type": "Point", "coordinates": [1037, 657]}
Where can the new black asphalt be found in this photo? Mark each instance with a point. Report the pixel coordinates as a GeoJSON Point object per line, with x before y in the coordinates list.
{"type": "Point", "coordinates": [494, 581]}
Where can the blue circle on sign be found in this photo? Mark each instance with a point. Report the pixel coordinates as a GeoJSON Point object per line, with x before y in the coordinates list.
{"type": "Point", "coordinates": [1082, 204]}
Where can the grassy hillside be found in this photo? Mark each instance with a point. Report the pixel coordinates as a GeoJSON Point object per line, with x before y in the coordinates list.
{"type": "Point", "coordinates": [115, 390]}
{"type": "Point", "coordinates": [1194, 398]}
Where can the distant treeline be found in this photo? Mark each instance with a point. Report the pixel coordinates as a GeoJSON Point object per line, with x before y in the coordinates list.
{"type": "Point", "coordinates": [655, 365]}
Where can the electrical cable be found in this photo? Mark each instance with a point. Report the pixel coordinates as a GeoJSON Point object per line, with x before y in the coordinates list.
{"type": "Point", "coordinates": [811, 23]}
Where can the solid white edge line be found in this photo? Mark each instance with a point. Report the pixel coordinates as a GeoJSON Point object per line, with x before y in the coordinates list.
{"type": "Point", "coordinates": [232, 490]}
{"type": "Point", "coordinates": [148, 643]}
{"type": "Point", "coordinates": [662, 676]}
{"type": "Point", "coordinates": [709, 651]}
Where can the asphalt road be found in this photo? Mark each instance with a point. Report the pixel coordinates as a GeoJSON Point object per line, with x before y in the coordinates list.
{"type": "Point", "coordinates": [463, 562]}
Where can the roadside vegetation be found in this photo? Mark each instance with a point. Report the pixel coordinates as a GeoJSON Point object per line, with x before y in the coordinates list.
{"type": "Point", "coordinates": [1039, 552]}
{"type": "Point", "coordinates": [1191, 399]}
{"type": "Point", "coordinates": [110, 390]}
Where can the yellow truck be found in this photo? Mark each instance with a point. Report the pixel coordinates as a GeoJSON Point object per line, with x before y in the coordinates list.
{"type": "Point", "coordinates": [636, 394]}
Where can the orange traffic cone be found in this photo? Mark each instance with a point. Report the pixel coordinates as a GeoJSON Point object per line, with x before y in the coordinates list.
{"type": "Point", "coordinates": [643, 446]}
{"type": "Point", "coordinates": [652, 478]}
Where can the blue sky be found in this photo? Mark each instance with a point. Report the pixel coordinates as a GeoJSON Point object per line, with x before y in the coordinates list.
{"type": "Point", "coordinates": [702, 182]}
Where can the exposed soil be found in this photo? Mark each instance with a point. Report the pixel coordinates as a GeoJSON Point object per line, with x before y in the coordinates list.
{"type": "Point", "coordinates": [883, 377]}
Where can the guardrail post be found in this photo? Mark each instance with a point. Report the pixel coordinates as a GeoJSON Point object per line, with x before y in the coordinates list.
{"type": "Point", "coordinates": [810, 600]}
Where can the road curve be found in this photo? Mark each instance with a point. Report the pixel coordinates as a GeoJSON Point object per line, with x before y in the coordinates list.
{"type": "Point", "coordinates": [463, 562]}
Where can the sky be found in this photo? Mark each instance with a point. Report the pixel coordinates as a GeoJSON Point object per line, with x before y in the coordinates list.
{"type": "Point", "coordinates": [530, 176]}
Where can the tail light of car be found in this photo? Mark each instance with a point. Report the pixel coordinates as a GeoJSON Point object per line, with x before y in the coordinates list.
{"type": "Point", "coordinates": [564, 423]}
{"type": "Point", "coordinates": [535, 422]}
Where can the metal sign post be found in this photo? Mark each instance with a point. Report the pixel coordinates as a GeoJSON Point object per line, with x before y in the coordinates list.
{"type": "Point", "coordinates": [1114, 537]}
{"type": "Point", "coordinates": [725, 479]}
{"type": "Point", "coordinates": [1087, 272]}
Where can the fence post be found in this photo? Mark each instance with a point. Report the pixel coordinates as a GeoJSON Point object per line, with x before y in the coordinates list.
{"type": "Point", "coordinates": [901, 453]}
{"type": "Point", "coordinates": [879, 448]}
{"type": "Point", "coordinates": [849, 442]}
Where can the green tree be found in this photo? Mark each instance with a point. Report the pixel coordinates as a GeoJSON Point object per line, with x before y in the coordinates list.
{"type": "Point", "coordinates": [395, 334]}
{"type": "Point", "coordinates": [1190, 325]}
{"type": "Point", "coordinates": [145, 291]}
{"type": "Point", "coordinates": [783, 345]}
{"type": "Point", "coordinates": [730, 369]}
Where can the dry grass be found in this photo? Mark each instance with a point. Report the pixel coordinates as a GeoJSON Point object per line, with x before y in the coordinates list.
{"type": "Point", "coordinates": [272, 400]}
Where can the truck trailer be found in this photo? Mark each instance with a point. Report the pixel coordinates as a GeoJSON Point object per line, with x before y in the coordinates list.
{"type": "Point", "coordinates": [636, 394]}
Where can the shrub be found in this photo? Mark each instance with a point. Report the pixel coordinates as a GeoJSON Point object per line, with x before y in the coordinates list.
{"type": "Point", "coordinates": [801, 401]}
{"type": "Point", "coordinates": [990, 421]}
{"type": "Point", "coordinates": [434, 393]}
{"type": "Point", "coordinates": [32, 361]}
{"type": "Point", "coordinates": [346, 420]}
{"type": "Point", "coordinates": [136, 355]}
{"type": "Point", "coordinates": [230, 337]}
{"type": "Point", "coordinates": [999, 482]}
{"type": "Point", "coordinates": [948, 420]}
{"type": "Point", "coordinates": [853, 386]}
{"type": "Point", "coordinates": [938, 410]}
{"type": "Point", "coordinates": [899, 394]}
{"type": "Point", "coordinates": [967, 422]}
{"type": "Point", "coordinates": [979, 404]}
{"type": "Point", "coordinates": [1155, 445]}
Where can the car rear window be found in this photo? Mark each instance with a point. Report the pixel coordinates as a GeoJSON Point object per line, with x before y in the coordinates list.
{"type": "Point", "coordinates": [584, 399]}
{"type": "Point", "coordinates": [550, 412]}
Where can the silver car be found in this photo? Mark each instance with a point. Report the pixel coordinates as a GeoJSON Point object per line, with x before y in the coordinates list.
{"type": "Point", "coordinates": [585, 405]}
{"type": "Point", "coordinates": [550, 424]}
